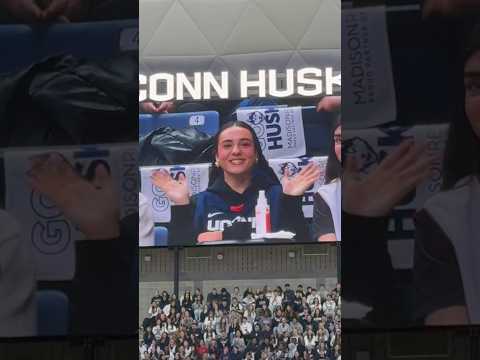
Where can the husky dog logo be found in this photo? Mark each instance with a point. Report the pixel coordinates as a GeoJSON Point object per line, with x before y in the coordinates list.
{"type": "Point", "coordinates": [256, 120]}
{"type": "Point", "coordinates": [160, 203]}
{"type": "Point", "coordinates": [364, 153]}
{"type": "Point", "coordinates": [291, 167]}
{"type": "Point", "coordinates": [176, 171]}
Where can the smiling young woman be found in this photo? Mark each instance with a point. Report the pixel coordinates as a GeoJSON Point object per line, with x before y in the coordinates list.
{"type": "Point", "coordinates": [226, 210]}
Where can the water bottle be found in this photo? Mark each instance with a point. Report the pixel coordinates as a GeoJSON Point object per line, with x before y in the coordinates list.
{"type": "Point", "coordinates": [262, 215]}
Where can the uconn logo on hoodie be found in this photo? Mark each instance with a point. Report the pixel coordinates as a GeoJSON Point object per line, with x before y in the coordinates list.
{"type": "Point", "coordinates": [219, 220]}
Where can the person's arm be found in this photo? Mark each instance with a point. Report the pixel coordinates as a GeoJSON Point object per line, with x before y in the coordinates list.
{"type": "Point", "coordinates": [292, 217]}
{"type": "Point", "coordinates": [106, 277]}
{"type": "Point", "coordinates": [146, 226]}
{"type": "Point", "coordinates": [322, 226]}
{"type": "Point", "coordinates": [367, 272]}
{"type": "Point", "coordinates": [17, 281]}
{"type": "Point", "coordinates": [329, 103]}
{"type": "Point", "coordinates": [153, 107]}
{"type": "Point", "coordinates": [367, 202]}
{"type": "Point", "coordinates": [293, 189]}
{"type": "Point", "coordinates": [181, 230]}
{"type": "Point", "coordinates": [439, 293]}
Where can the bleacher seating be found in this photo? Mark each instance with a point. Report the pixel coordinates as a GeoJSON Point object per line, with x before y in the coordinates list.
{"type": "Point", "coordinates": [23, 45]}
{"type": "Point", "coordinates": [205, 121]}
{"type": "Point", "coordinates": [52, 313]}
{"type": "Point", "coordinates": [161, 236]}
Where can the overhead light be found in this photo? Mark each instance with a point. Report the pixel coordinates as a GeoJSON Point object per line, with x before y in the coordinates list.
{"type": "Point", "coordinates": [147, 258]}
{"type": "Point", "coordinates": [220, 256]}
{"type": "Point", "coordinates": [291, 254]}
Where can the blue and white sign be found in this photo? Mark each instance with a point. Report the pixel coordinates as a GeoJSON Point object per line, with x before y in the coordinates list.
{"type": "Point", "coordinates": [51, 234]}
{"type": "Point", "coordinates": [279, 130]}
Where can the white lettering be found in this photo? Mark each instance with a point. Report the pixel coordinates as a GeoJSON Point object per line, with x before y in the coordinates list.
{"type": "Point", "coordinates": [273, 82]}
{"type": "Point", "coordinates": [331, 80]}
{"type": "Point", "coordinates": [203, 86]}
{"type": "Point", "coordinates": [261, 83]}
{"type": "Point", "coordinates": [209, 83]}
{"type": "Point", "coordinates": [142, 79]}
{"type": "Point", "coordinates": [195, 89]}
{"type": "Point", "coordinates": [302, 76]}
{"type": "Point", "coordinates": [169, 93]}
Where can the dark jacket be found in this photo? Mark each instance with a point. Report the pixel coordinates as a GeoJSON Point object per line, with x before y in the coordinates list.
{"type": "Point", "coordinates": [220, 208]}
{"type": "Point", "coordinates": [368, 276]}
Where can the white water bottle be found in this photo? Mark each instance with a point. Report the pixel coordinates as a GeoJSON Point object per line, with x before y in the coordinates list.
{"type": "Point", "coordinates": [262, 215]}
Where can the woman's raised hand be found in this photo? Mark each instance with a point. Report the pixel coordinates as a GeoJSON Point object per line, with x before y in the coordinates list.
{"type": "Point", "coordinates": [329, 103]}
{"type": "Point", "coordinates": [91, 205]}
{"type": "Point", "coordinates": [176, 190]}
{"type": "Point", "coordinates": [297, 185]}
{"type": "Point", "coordinates": [380, 191]}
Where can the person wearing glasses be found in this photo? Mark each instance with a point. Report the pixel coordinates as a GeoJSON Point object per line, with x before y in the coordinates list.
{"type": "Point", "coordinates": [327, 201]}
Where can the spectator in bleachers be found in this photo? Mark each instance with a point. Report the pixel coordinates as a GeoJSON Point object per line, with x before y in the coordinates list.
{"type": "Point", "coordinates": [187, 300]}
{"type": "Point", "coordinates": [227, 208]}
{"type": "Point", "coordinates": [289, 295]}
{"type": "Point", "coordinates": [212, 296]}
{"type": "Point", "coordinates": [225, 297]}
{"type": "Point", "coordinates": [236, 292]}
{"type": "Point", "coordinates": [156, 298]}
{"type": "Point", "coordinates": [252, 333]}
{"type": "Point", "coordinates": [198, 295]}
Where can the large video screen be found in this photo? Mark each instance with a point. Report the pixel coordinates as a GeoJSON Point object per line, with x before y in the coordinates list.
{"type": "Point", "coordinates": [235, 144]}
{"type": "Point", "coordinates": [251, 176]}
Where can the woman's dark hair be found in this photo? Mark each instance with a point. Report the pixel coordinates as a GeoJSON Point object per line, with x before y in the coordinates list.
{"type": "Point", "coordinates": [262, 163]}
{"type": "Point", "coordinates": [334, 167]}
{"type": "Point", "coordinates": [462, 154]}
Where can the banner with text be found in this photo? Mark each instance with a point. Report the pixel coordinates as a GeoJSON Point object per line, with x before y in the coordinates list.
{"type": "Point", "coordinates": [52, 235]}
{"type": "Point", "coordinates": [279, 130]}
{"type": "Point", "coordinates": [368, 93]}
{"type": "Point", "coordinates": [371, 146]}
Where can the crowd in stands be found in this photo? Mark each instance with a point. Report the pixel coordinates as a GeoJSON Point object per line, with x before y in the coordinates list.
{"type": "Point", "coordinates": [278, 323]}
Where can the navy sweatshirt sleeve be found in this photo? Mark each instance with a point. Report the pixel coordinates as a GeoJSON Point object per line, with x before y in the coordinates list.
{"type": "Point", "coordinates": [368, 276]}
{"type": "Point", "coordinates": [292, 217]}
{"type": "Point", "coordinates": [322, 218]}
{"type": "Point", "coordinates": [182, 228]}
{"type": "Point", "coordinates": [437, 277]}
{"type": "Point", "coordinates": [106, 284]}
{"type": "Point", "coordinates": [366, 263]}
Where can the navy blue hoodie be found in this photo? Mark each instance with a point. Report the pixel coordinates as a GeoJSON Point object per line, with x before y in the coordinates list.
{"type": "Point", "coordinates": [220, 208]}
